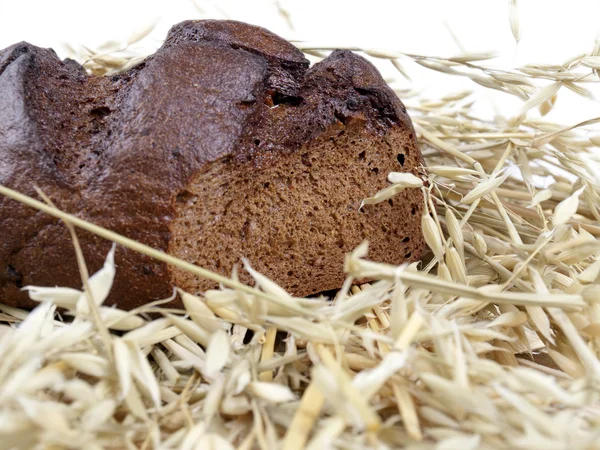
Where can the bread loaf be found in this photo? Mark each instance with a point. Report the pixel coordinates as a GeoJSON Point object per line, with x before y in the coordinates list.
{"type": "Point", "coordinates": [223, 144]}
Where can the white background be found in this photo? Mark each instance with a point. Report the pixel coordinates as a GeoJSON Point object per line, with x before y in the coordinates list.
{"type": "Point", "coordinates": [551, 31]}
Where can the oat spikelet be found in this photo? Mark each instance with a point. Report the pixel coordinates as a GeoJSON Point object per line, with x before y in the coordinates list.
{"type": "Point", "coordinates": [513, 17]}
{"type": "Point", "coordinates": [565, 209]}
{"type": "Point", "coordinates": [432, 236]}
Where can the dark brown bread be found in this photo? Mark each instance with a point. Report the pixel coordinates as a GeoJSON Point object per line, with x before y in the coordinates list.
{"type": "Point", "coordinates": [222, 144]}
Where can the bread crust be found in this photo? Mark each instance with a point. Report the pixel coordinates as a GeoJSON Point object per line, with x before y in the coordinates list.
{"type": "Point", "coordinates": [120, 151]}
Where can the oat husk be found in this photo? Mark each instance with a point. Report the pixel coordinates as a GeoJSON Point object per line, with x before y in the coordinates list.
{"type": "Point", "coordinates": [492, 341]}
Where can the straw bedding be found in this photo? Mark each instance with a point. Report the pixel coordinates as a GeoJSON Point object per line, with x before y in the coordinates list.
{"type": "Point", "coordinates": [492, 341]}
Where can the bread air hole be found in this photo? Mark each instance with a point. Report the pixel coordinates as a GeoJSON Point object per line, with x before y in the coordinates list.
{"type": "Point", "coordinates": [282, 99]}
{"type": "Point", "coordinates": [100, 112]}
{"type": "Point", "coordinates": [16, 276]}
{"type": "Point", "coordinates": [186, 196]}
{"type": "Point", "coordinates": [401, 158]}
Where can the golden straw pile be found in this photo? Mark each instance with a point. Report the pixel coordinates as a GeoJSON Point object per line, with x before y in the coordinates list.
{"type": "Point", "coordinates": [493, 341]}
